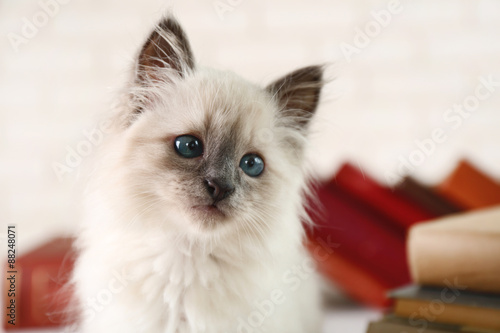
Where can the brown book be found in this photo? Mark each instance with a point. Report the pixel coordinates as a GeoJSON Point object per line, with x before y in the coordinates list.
{"type": "Point", "coordinates": [426, 197]}
{"type": "Point", "coordinates": [470, 188]}
{"type": "Point", "coordinates": [449, 305]}
{"type": "Point", "coordinates": [395, 324]}
{"type": "Point", "coordinates": [41, 293]}
{"type": "Point", "coordinates": [463, 249]}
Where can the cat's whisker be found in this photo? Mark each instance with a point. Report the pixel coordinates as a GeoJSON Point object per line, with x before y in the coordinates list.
{"type": "Point", "coordinates": [149, 205]}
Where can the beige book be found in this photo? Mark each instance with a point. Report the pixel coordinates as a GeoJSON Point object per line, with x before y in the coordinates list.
{"type": "Point", "coordinates": [461, 250]}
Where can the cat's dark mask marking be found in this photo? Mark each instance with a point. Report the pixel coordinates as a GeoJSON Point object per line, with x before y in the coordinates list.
{"type": "Point", "coordinates": [221, 161]}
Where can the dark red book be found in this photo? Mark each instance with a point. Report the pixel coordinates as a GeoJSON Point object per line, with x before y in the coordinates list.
{"type": "Point", "coordinates": [394, 208]}
{"type": "Point", "coordinates": [426, 197]}
{"type": "Point", "coordinates": [360, 236]}
{"type": "Point", "coordinates": [41, 292]}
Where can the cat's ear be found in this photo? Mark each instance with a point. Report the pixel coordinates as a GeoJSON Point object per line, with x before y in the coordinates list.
{"type": "Point", "coordinates": [166, 48]}
{"type": "Point", "coordinates": [298, 94]}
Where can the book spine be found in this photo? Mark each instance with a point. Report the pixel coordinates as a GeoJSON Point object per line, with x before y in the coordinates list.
{"type": "Point", "coordinates": [361, 237]}
{"type": "Point", "coordinates": [426, 197]}
{"type": "Point", "coordinates": [395, 208]}
{"type": "Point", "coordinates": [470, 188]}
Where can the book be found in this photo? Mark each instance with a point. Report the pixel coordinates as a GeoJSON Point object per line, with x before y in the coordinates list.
{"type": "Point", "coordinates": [426, 197]}
{"type": "Point", "coordinates": [395, 208]}
{"type": "Point", "coordinates": [448, 305]}
{"type": "Point", "coordinates": [41, 294]}
{"type": "Point", "coordinates": [470, 188]}
{"type": "Point", "coordinates": [353, 279]}
{"type": "Point", "coordinates": [361, 236]}
{"type": "Point", "coordinates": [463, 247]}
{"type": "Point", "coordinates": [394, 324]}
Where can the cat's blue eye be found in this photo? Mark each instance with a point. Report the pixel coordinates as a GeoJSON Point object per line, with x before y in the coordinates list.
{"type": "Point", "coordinates": [188, 146]}
{"type": "Point", "coordinates": [252, 165]}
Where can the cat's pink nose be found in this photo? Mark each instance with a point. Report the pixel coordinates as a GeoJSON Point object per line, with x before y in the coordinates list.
{"type": "Point", "coordinates": [217, 189]}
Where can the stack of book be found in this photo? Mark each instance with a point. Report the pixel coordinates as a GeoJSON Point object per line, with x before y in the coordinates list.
{"type": "Point", "coordinates": [364, 225]}
{"type": "Point", "coordinates": [455, 265]}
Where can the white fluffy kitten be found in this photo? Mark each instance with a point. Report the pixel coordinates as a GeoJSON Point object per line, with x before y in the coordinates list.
{"type": "Point", "coordinates": [194, 208]}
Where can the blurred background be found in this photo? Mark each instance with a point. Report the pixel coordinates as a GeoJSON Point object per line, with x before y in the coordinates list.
{"type": "Point", "coordinates": [402, 71]}
{"type": "Point", "coordinates": [388, 92]}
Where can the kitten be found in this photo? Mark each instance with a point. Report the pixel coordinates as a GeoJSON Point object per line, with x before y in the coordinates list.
{"type": "Point", "coordinates": [194, 207]}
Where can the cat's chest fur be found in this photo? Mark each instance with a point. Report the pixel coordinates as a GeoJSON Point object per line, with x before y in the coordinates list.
{"type": "Point", "coordinates": [199, 287]}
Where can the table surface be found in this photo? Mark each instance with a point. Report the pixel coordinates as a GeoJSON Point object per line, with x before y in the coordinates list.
{"type": "Point", "coordinates": [338, 319]}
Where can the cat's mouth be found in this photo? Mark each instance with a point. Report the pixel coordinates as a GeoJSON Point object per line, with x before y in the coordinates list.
{"type": "Point", "coordinates": [212, 210]}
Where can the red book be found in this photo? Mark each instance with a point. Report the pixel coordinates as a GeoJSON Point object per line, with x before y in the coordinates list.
{"type": "Point", "coordinates": [394, 207]}
{"type": "Point", "coordinates": [470, 188]}
{"type": "Point", "coordinates": [355, 280]}
{"type": "Point", "coordinates": [41, 293]}
{"type": "Point", "coordinates": [360, 236]}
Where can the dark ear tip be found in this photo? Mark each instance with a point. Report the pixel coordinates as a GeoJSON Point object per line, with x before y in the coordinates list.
{"type": "Point", "coordinates": [315, 72]}
{"type": "Point", "coordinates": [166, 47]}
{"type": "Point", "coordinates": [168, 22]}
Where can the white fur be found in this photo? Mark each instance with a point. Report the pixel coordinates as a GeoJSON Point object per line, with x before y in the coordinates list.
{"type": "Point", "coordinates": [147, 265]}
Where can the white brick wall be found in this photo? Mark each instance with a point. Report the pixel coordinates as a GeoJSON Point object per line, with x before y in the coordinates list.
{"type": "Point", "coordinates": [393, 92]}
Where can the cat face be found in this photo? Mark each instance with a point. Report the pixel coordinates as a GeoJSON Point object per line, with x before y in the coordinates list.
{"type": "Point", "coordinates": [209, 148]}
